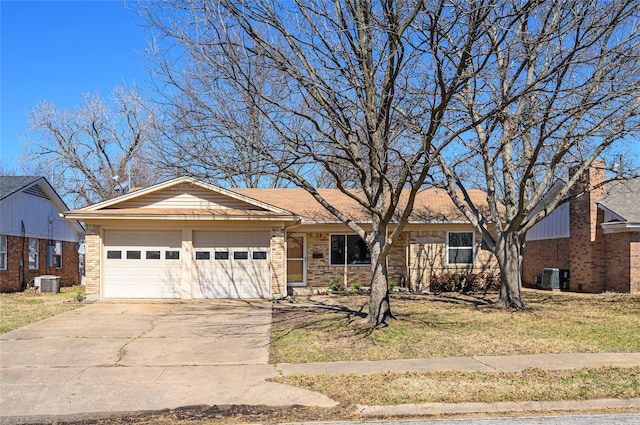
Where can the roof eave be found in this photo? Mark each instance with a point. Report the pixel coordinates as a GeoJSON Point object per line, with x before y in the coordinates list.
{"type": "Point", "coordinates": [178, 217]}
{"type": "Point", "coordinates": [620, 227]}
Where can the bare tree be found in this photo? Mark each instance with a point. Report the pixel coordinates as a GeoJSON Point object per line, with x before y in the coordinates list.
{"type": "Point", "coordinates": [94, 152]}
{"type": "Point", "coordinates": [209, 127]}
{"type": "Point", "coordinates": [362, 92]}
{"type": "Point", "coordinates": [565, 84]}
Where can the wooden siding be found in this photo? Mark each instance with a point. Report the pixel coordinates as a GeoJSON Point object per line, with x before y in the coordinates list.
{"type": "Point", "coordinates": [186, 196]}
{"type": "Point", "coordinates": [40, 217]}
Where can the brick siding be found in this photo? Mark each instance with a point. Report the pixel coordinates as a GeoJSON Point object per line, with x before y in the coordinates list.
{"type": "Point", "coordinates": [10, 280]}
{"type": "Point", "coordinates": [541, 254]}
{"type": "Point", "coordinates": [597, 262]}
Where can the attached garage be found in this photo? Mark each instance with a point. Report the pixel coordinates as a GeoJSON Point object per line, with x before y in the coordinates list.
{"type": "Point", "coordinates": [184, 239]}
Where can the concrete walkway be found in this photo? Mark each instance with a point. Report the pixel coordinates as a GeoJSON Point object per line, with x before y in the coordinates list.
{"type": "Point", "coordinates": [113, 357]}
{"type": "Point", "coordinates": [515, 363]}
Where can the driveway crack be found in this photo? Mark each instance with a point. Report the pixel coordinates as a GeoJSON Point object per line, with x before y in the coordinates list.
{"type": "Point", "coordinates": [123, 350]}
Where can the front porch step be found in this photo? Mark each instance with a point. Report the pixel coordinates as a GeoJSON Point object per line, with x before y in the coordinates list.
{"type": "Point", "coordinates": [302, 291]}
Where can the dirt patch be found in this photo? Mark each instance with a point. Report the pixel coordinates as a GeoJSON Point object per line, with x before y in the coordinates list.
{"type": "Point", "coordinates": [219, 415]}
{"type": "Point", "coordinates": [234, 415]}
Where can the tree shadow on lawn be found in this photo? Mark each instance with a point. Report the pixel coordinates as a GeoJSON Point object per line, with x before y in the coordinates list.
{"type": "Point", "coordinates": [313, 315]}
{"type": "Point", "coordinates": [334, 316]}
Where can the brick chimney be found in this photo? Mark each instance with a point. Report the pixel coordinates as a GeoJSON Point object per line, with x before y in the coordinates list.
{"type": "Point", "coordinates": [586, 240]}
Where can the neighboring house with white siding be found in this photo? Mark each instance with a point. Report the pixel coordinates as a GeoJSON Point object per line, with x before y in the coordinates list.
{"type": "Point", "coordinates": [34, 239]}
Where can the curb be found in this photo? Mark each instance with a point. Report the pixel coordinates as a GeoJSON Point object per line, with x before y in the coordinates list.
{"type": "Point", "coordinates": [426, 409]}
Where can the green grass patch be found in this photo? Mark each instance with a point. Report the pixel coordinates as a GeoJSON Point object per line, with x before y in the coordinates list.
{"type": "Point", "coordinates": [391, 388]}
{"type": "Point", "coordinates": [331, 328]}
{"type": "Point", "coordinates": [21, 308]}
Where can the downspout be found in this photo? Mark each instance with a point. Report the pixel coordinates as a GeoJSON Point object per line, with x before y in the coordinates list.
{"type": "Point", "coordinates": [21, 276]}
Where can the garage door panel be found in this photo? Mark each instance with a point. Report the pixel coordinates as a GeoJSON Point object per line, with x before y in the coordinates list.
{"type": "Point", "coordinates": [237, 265]}
{"type": "Point", "coordinates": [148, 265]}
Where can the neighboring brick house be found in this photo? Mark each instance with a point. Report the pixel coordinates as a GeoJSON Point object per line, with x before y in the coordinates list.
{"type": "Point", "coordinates": [34, 239]}
{"type": "Point", "coordinates": [596, 236]}
{"type": "Point", "coordinates": [188, 239]}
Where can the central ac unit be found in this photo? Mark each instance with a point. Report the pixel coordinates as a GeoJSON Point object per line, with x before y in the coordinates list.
{"type": "Point", "coordinates": [50, 284]}
{"type": "Point", "coordinates": [551, 278]}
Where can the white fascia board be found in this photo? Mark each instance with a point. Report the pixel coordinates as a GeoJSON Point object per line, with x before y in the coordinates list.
{"type": "Point", "coordinates": [620, 227]}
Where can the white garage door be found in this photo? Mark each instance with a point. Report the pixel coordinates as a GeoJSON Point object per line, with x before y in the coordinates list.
{"type": "Point", "coordinates": [142, 264]}
{"type": "Point", "coordinates": [231, 265]}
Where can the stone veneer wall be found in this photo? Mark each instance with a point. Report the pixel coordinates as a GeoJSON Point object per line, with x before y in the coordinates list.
{"type": "Point", "coordinates": [320, 272]}
{"type": "Point", "coordinates": [92, 261]}
{"type": "Point", "coordinates": [428, 257]}
{"type": "Point", "coordinates": [278, 277]}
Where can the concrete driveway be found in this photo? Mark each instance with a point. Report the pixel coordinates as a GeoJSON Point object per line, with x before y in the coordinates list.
{"type": "Point", "coordinates": [142, 355]}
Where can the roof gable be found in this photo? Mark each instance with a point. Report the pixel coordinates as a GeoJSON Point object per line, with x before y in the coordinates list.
{"type": "Point", "coordinates": [623, 200]}
{"type": "Point", "coordinates": [35, 186]}
{"type": "Point", "coordinates": [10, 185]}
{"type": "Point", "coordinates": [184, 193]}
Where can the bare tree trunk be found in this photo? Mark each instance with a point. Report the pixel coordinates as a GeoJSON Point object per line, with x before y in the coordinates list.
{"type": "Point", "coordinates": [509, 258]}
{"type": "Point", "coordinates": [379, 306]}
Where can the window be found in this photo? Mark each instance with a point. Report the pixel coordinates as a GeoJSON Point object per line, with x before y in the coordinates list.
{"type": "Point", "coordinates": [460, 247]}
{"type": "Point", "coordinates": [172, 255]}
{"type": "Point", "coordinates": [114, 255]}
{"type": "Point", "coordinates": [260, 255]}
{"type": "Point", "coordinates": [203, 255]}
{"type": "Point", "coordinates": [350, 248]}
{"type": "Point", "coordinates": [133, 255]}
{"type": "Point", "coordinates": [241, 255]}
{"type": "Point", "coordinates": [33, 254]}
{"type": "Point", "coordinates": [3, 252]}
{"type": "Point", "coordinates": [221, 255]}
{"type": "Point", "coordinates": [152, 255]}
{"type": "Point", "coordinates": [57, 254]}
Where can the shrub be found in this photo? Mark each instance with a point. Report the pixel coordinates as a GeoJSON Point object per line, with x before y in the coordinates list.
{"type": "Point", "coordinates": [336, 284]}
{"type": "Point", "coordinates": [464, 282]}
{"type": "Point", "coordinates": [356, 286]}
{"type": "Point", "coordinates": [392, 284]}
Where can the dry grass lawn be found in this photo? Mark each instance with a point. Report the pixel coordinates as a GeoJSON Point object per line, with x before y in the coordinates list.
{"type": "Point", "coordinates": [21, 308]}
{"type": "Point", "coordinates": [331, 328]}
{"type": "Point", "coordinates": [390, 388]}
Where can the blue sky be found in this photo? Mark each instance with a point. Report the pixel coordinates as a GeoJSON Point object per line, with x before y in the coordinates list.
{"type": "Point", "coordinates": [58, 50]}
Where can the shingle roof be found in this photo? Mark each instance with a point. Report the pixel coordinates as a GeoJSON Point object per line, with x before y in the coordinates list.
{"type": "Point", "coordinates": [431, 205]}
{"type": "Point", "coordinates": [12, 184]}
{"type": "Point", "coordinates": [623, 199]}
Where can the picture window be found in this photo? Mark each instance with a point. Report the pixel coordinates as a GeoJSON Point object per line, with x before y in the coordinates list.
{"type": "Point", "coordinates": [460, 248]}
{"type": "Point", "coordinates": [349, 248]}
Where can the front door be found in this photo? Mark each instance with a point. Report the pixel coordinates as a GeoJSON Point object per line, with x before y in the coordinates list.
{"type": "Point", "coordinates": [296, 260]}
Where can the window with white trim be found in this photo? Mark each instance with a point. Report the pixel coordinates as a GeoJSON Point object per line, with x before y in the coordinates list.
{"type": "Point", "coordinates": [33, 254]}
{"type": "Point", "coordinates": [3, 252]}
{"type": "Point", "coordinates": [349, 248]}
{"type": "Point", "coordinates": [460, 248]}
{"type": "Point", "coordinates": [57, 254]}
